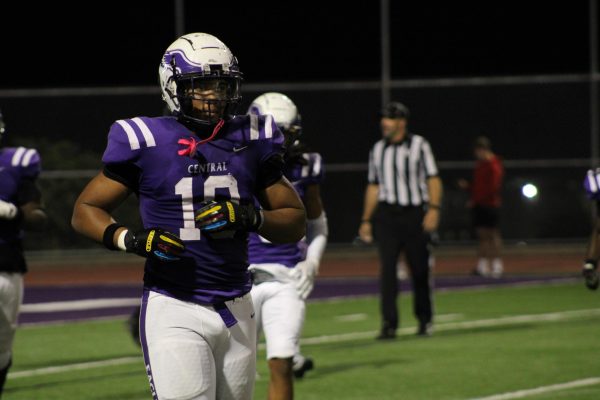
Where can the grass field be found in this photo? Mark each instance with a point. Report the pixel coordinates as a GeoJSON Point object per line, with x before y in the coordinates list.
{"type": "Point", "coordinates": [487, 342]}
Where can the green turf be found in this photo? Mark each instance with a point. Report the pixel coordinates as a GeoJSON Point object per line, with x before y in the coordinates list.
{"type": "Point", "coordinates": [457, 362]}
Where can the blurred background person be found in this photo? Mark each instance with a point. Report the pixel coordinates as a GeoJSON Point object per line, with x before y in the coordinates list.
{"type": "Point", "coordinates": [20, 208]}
{"type": "Point", "coordinates": [485, 201]}
{"type": "Point", "coordinates": [590, 264]}
{"type": "Point", "coordinates": [283, 274]}
{"type": "Point", "coordinates": [403, 199]}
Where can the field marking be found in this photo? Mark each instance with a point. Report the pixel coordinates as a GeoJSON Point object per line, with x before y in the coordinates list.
{"type": "Point", "coordinates": [528, 283]}
{"type": "Point", "coordinates": [74, 367]}
{"type": "Point", "coordinates": [448, 317]}
{"type": "Point", "coordinates": [519, 394]}
{"type": "Point", "coordinates": [450, 326]}
{"type": "Point", "coordinates": [457, 326]}
{"type": "Point", "coordinates": [78, 305]}
{"type": "Point", "coordinates": [351, 317]}
{"type": "Point", "coordinates": [91, 304]}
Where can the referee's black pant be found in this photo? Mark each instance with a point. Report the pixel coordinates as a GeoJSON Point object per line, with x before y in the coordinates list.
{"type": "Point", "coordinates": [399, 229]}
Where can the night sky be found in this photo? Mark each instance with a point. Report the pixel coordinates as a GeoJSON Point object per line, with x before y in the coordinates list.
{"type": "Point", "coordinates": [120, 43]}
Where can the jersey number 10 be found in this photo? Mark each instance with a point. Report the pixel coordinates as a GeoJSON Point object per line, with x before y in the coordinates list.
{"type": "Point", "coordinates": [184, 188]}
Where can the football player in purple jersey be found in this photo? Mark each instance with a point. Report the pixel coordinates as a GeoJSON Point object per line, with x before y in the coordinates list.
{"type": "Point", "coordinates": [197, 174]}
{"type": "Point", "coordinates": [590, 264]}
{"type": "Point", "coordinates": [20, 208]}
{"type": "Point", "coordinates": [284, 273]}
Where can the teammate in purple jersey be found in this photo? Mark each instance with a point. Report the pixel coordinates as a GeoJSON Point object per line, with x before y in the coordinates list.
{"type": "Point", "coordinates": [590, 264]}
{"type": "Point", "coordinates": [196, 175]}
{"type": "Point", "coordinates": [284, 273]}
{"type": "Point", "coordinates": [20, 208]}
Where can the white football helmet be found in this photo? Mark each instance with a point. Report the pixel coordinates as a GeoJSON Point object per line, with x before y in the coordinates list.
{"type": "Point", "coordinates": [200, 79]}
{"type": "Point", "coordinates": [283, 110]}
{"type": "Point", "coordinates": [2, 125]}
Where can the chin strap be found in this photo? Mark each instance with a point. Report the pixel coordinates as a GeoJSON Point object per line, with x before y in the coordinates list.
{"type": "Point", "coordinates": [192, 144]}
{"type": "Point", "coordinates": [214, 132]}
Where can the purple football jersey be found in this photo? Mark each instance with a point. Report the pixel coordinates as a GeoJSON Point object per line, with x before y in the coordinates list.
{"type": "Point", "coordinates": [591, 184]}
{"type": "Point", "coordinates": [16, 164]}
{"type": "Point", "coordinates": [260, 250]}
{"type": "Point", "coordinates": [172, 186]}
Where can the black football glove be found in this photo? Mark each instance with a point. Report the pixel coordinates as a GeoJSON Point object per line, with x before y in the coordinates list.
{"type": "Point", "coordinates": [154, 243]}
{"type": "Point", "coordinates": [225, 215]}
{"type": "Point", "coordinates": [590, 273]}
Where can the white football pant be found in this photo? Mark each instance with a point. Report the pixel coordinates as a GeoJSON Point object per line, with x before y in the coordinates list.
{"type": "Point", "coordinates": [280, 315]}
{"type": "Point", "coordinates": [191, 354]}
{"type": "Point", "coordinates": [11, 297]}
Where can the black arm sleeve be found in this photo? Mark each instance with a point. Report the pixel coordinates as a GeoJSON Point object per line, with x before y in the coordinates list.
{"type": "Point", "coordinates": [28, 191]}
{"type": "Point", "coordinates": [127, 174]}
{"type": "Point", "coordinates": [270, 171]}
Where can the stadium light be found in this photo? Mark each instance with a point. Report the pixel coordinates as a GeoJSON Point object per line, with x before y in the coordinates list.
{"type": "Point", "coordinates": [529, 191]}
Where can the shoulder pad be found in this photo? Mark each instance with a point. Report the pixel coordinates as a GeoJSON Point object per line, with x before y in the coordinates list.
{"type": "Point", "coordinates": [126, 139]}
{"type": "Point", "coordinates": [259, 128]}
{"type": "Point", "coordinates": [591, 184]}
{"type": "Point", "coordinates": [314, 171]}
{"type": "Point", "coordinates": [28, 161]}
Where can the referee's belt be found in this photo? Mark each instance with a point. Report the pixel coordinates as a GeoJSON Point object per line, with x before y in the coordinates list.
{"type": "Point", "coordinates": [259, 276]}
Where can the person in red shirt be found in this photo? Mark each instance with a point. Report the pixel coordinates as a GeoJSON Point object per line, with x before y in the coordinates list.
{"type": "Point", "coordinates": [485, 202]}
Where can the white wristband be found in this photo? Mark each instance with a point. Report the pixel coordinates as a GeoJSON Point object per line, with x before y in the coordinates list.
{"type": "Point", "coordinates": [121, 240]}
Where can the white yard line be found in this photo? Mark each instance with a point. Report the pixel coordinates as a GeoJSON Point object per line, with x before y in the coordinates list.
{"type": "Point", "coordinates": [77, 305]}
{"type": "Point", "coordinates": [519, 394]}
{"type": "Point", "coordinates": [475, 288]}
{"type": "Point", "coordinates": [74, 367]}
{"type": "Point", "coordinates": [451, 326]}
{"type": "Point", "coordinates": [457, 326]}
{"type": "Point", "coordinates": [351, 317]}
{"type": "Point", "coordinates": [91, 304]}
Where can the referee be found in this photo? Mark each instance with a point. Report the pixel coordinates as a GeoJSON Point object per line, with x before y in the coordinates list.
{"type": "Point", "coordinates": [402, 208]}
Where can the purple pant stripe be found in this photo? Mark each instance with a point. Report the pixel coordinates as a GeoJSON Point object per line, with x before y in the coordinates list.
{"type": "Point", "coordinates": [145, 343]}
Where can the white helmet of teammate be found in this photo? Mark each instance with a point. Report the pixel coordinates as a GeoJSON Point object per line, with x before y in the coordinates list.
{"type": "Point", "coordinates": [283, 110]}
{"type": "Point", "coordinates": [2, 126]}
{"type": "Point", "coordinates": [199, 62]}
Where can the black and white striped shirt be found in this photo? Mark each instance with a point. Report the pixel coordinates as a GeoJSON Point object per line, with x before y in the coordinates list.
{"type": "Point", "coordinates": [401, 170]}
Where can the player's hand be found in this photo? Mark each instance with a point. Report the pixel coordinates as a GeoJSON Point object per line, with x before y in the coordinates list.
{"type": "Point", "coordinates": [365, 232]}
{"type": "Point", "coordinates": [8, 210]}
{"type": "Point", "coordinates": [590, 273]}
{"type": "Point", "coordinates": [225, 215]}
{"type": "Point", "coordinates": [154, 243]}
{"type": "Point", "coordinates": [305, 272]}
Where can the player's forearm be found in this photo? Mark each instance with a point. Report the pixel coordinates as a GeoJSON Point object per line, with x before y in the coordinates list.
{"type": "Point", "coordinates": [317, 232]}
{"type": "Point", "coordinates": [90, 220]}
{"type": "Point", "coordinates": [284, 225]}
{"type": "Point", "coordinates": [370, 201]}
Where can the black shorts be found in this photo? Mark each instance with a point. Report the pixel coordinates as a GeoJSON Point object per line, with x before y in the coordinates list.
{"type": "Point", "coordinates": [485, 217]}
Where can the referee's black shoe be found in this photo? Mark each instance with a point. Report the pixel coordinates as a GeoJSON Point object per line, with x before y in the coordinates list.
{"type": "Point", "coordinates": [387, 334]}
{"type": "Point", "coordinates": [425, 329]}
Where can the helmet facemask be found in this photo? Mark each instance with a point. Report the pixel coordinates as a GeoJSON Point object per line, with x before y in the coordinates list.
{"type": "Point", "coordinates": [207, 99]}
{"type": "Point", "coordinates": [291, 135]}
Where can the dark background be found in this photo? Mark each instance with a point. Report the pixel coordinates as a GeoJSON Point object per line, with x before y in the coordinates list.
{"type": "Point", "coordinates": [114, 44]}
{"type": "Point", "coordinates": [104, 43]}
